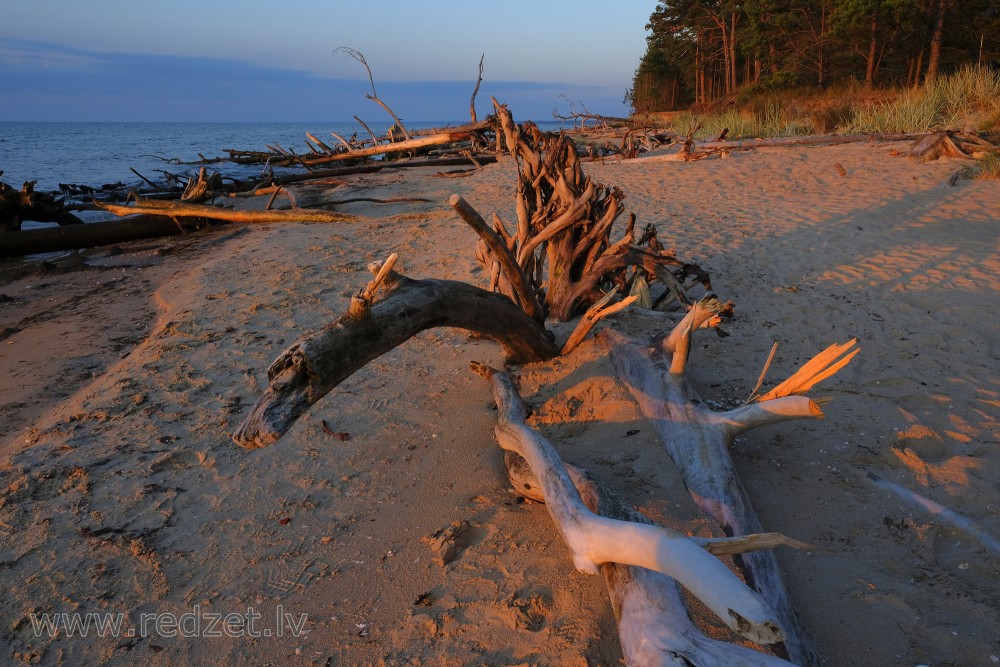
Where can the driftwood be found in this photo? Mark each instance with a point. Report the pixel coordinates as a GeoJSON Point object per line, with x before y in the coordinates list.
{"type": "Point", "coordinates": [360, 57]}
{"type": "Point", "coordinates": [654, 625]}
{"type": "Point", "coordinates": [16, 206]}
{"type": "Point", "coordinates": [698, 440]}
{"type": "Point", "coordinates": [318, 362]}
{"type": "Point", "coordinates": [201, 187]}
{"type": "Point", "coordinates": [701, 149]}
{"type": "Point", "coordinates": [90, 235]}
{"type": "Point", "coordinates": [395, 164]}
{"type": "Point", "coordinates": [562, 242]}
{"type": "Point", "coordinates": [944, 143]}
{"type": "Point", "coordinates": [595, 540]}
{"type": "Point", "coordinates": [436, 139]}
{"type": "Point", "coordinates": [475, 91]}
{"type": "Point", "coordinates": [180, 210]}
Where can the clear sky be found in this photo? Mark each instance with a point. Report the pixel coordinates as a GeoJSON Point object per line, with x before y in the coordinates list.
{"type": "Point", "coordinates": [228, 60]}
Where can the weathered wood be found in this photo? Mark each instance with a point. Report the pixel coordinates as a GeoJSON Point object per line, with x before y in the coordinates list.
{"type": "Point", "coordinates": [395, 164]}
{"type": "Point", "coordinates": [564, 221]}
{"type": "Point", "coordinates": [943, 143]}
{"type": "Point", "coordinates": [179, 210]}
{"type": "Point", "coordinates": [594, 540]}
{"type": "Point", "coordinates": [90, 235]}
{"type": "Point", "coordinates": [654, 625]}
{"type": "Point", "coordinates": [317, 362]}
{"type": "Point", "coordinates": [16, 206]}
{"type": "Point", "coordinates": [698, 440]}
{"type": "Point", "coordinates": [380, 149]}
{"type": "Point", "coordinates": [523, 293]}
{"type": "Point", "coordinates": [479, 80]}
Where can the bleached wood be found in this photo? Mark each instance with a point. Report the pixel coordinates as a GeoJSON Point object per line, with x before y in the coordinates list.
{"type": "Point", "coordinates": [654, 625]}
{"type": "Point", "coordinates": [594, 540]}
{"type": "Point", "coordinates": [698, 440]}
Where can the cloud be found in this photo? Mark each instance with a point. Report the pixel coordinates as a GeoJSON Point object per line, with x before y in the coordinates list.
{"type": "Point", "coordinates": [46, 81]}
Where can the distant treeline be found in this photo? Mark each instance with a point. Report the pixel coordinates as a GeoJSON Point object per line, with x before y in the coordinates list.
{"type": "Point", "coordinates": [701, 51]}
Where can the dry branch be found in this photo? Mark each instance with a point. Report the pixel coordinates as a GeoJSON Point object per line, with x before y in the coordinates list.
{"type": "Point", "coordinates": [318, 362]}
{"type": "Point", "coordinates": [360, 57]}
{"type": "Point", "coordinates": [594, 540]}
{"type": "Point", "coordinates": [698, 440]}
{"type": "Point", "coordinates": [654, 625]}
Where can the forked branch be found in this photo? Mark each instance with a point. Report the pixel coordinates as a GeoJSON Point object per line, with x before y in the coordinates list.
{"type": "Point", "coordinates": [595, 540]}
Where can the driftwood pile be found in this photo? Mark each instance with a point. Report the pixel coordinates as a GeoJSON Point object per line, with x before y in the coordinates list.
{"type": "Point", "coordinates": [560, 261]}
{"type": "Point", "coordinates": [162, 209]}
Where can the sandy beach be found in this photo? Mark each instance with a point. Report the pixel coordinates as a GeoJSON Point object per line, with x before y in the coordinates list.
{"type": "Point", "coordinates": [125, 371]}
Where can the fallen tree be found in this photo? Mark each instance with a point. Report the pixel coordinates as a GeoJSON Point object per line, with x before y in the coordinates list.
{"type": "Point", "coordinates": [698, 440]}
{"type": "Point", "coordinates": [316, 363]}
{"type": "Point", "coordinates": [560, 261]}
{"type": "Point", "coordinates": [90, 235]}
{"type": "Point", "coordinates": [181, 210]}
{"type": "Point", "coordinates": [642, 563]}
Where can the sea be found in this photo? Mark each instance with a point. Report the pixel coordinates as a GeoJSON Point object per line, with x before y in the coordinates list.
{"type": "Point", "coordinates": [95, 154]}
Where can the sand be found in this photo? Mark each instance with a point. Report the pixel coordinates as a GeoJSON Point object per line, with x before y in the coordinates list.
{"type": "Point", "coordinates": [125, 372]}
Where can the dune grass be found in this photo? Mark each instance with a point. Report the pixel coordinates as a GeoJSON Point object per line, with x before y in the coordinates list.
{"type": "Point", "coordinates": [969, 99]}
{"type": "Point", "coordinates": [985, 168]}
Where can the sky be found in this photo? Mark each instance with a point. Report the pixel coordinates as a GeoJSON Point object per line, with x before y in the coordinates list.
{"type": "Point", "coordinates": [253, 61]}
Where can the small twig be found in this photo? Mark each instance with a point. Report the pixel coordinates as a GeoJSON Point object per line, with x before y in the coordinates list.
{"type": "Point", "coordinates": [380, 277]}
{"type": "Point", "coordinates": [760, 380]}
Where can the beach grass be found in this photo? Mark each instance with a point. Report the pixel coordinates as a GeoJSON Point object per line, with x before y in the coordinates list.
{"type": "Point", "coordinates": [968, 99]}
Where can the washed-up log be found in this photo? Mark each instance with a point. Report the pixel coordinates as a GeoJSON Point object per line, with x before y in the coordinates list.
{"type": "Point", "coordinates": [318, 362]}
{"type": "Point", "coordinates": [381, 149]}
{"type": "Point", "coordinates": [699, 149]}
{"type": "Point", "coordinates": [698, 439]}
{"type": "Point", "coordinates": [395, 164]}
{"type": "Point", "coordinates": [90, 235]}
{"type": "Point", "coordinates": [16, 206]}
{"type": "Point", "coordinates": [596, 540]}
{"type": "Point", "coordinates": [179, 210]}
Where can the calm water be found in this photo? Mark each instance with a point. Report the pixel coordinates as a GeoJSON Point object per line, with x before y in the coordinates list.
{"type": "Point", "coordinates": [97, 153]}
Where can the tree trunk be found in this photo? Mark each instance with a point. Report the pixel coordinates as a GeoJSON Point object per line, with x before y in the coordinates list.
{"type": "Point", "coordinates": [872, 50]}
{"type": "Point", "coordinates": [595, 540]}
{"type": "Point", "coordinates": [90, 235]}
{"type": "Point", "coordinates": [698, 440]}
{"type": "Point", "coordinates": [936, 37]}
